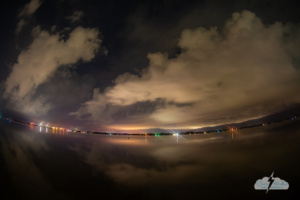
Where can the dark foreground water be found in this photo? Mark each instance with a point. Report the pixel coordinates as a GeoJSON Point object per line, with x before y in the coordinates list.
{"type": "Point", "coordinates": [48, 164]}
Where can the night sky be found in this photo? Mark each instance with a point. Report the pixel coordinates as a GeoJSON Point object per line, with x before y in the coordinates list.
{"type": "Point", "coordinates": [125, 65]}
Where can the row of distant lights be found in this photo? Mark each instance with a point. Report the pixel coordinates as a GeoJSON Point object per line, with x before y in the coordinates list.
{"type": "Point", "coordinates": [41, 125]}
{"type": "Point", "coordinates": [56, 128]}
{"type": "Point", "coordinates": [47, 126]}
{"type": "Point", "coordinates": [154, 134]}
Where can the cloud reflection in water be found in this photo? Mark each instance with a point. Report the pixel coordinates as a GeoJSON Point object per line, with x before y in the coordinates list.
{"type": "Point", "coordinates": [53, 165]}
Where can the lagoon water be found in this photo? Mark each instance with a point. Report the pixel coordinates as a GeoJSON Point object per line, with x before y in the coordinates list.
{"type": "Point", "coordinates": [50, 164]}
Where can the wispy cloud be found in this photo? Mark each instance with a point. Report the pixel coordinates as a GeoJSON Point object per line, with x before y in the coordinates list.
{"type": "Point", "coordinates": [24, 15]}
{"type": "Point", "coordinates": [76, 16]}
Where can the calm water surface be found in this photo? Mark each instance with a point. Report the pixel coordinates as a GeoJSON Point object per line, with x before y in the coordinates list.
{"type": "Point", "coordinates": [50, 164]}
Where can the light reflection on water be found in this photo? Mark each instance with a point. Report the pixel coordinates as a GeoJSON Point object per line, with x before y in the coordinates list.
{"type": "Point", "coordinates": [56, 164]}
{"type": "Point", "coordinates": [138, 139]}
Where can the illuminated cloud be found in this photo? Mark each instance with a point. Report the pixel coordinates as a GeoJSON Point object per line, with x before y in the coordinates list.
{"type": "Point", "coordinates": [76, 16]}
{"type": "Point", "coordinates": [38, 63]}
{"type": "Point", "coordinates": [28, 10]}
{"type": "Point", "coordinates": [247, 70]}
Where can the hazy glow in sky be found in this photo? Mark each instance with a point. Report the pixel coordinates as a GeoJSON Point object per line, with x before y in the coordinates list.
{"type": "Point", "coordinates": [241, 69]}
{"type": "Point", "coordinates": [244, 71]}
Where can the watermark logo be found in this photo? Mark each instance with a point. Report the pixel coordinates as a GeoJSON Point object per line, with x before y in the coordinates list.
{"type": "Point", "coordinates": [271, 183]}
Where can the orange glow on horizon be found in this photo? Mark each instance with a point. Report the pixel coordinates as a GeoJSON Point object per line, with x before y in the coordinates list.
{"type": "Point", "coordinates": [128, 127]}
{"type": "Point", "coordinates": [141, 128]}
